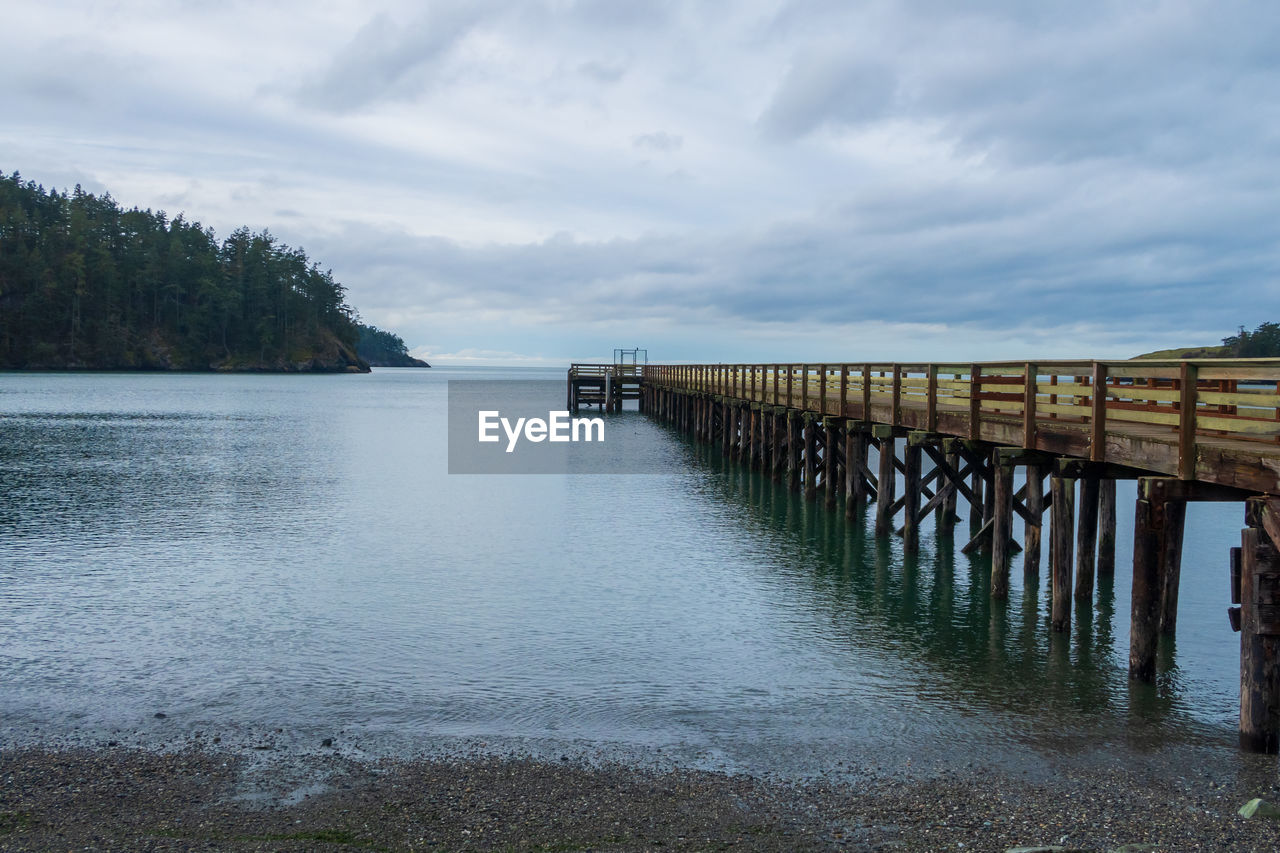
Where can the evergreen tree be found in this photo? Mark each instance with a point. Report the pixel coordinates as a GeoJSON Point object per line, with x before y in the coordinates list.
{"type": "Point", "coordinates": [384, 349]}
{"type": "Point", "coordinates": [85, 283]}
{"type": "Point", "coordinates": [1262, 342]}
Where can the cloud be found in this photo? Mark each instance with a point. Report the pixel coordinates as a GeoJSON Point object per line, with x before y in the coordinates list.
{"type": "Point", "coordinates": [1025, 259]}
{"type": "Point", "coordinates": [829, 89]}
{"type": "Point", "coordinates": [507, 177]}
{"type": "Point", "coordinates": [660, 141]}
{"type": "Point", "coordinates": [602, 72]}
{"type": "Point", "coordinates": [388, 60]}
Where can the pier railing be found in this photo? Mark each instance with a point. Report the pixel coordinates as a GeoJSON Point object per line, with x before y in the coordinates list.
{"type": "Point", "coordinates": [615, 371]}
{"type": "Point", "coordinates": [1236, 399]}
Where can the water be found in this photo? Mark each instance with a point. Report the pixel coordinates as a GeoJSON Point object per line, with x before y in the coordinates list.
{"type": "Point", "coordinates": [254, 553]}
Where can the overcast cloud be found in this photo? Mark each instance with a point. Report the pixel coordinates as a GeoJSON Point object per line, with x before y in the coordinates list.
{"type": "Point", "coordinates": [808, 180]}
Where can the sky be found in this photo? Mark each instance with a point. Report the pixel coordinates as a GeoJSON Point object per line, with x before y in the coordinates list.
{"type": "Point", "coordinates": [541, 181]}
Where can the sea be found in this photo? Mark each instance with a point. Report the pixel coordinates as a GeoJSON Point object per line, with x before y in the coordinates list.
{"type": "Point", "coordinates": [286, 563]}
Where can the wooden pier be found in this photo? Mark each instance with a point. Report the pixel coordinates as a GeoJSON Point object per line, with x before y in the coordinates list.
{"type": "Point", "coordinates": [1202, 430]}
{"type": "Point", "coordinates": [605, 386]}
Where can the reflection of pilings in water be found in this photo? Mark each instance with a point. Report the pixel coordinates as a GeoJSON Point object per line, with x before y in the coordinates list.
{"type": "Point", "coordinates": [751, 437]}
{"type": "Point", "coordinates": [910, 587]}
{"type": "Point", "coordinates": [883, 558]}
{"type": "Point", "coordinates": [997, 634]}
{"type": "Point", "coordinates": [1029, 608]}
{"type": "Point", "coordinates": [944, 578]}
{"type": "Point", "coordinates": [1167, 656]}
{"type": "Point", "coordinates": [1084, 634]}
{"type": "Point", "coordinates": [1105, 636]}
{"type": "Point", "coordinates": [916, 610]}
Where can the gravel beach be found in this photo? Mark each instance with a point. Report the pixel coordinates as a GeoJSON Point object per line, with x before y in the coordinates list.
{"type": "Point", "coordinates": [199, 799]}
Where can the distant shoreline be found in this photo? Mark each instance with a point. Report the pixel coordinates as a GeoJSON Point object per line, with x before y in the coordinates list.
{"type": "Point", "coordinates": [407, 361]}
{"type": "Point", "coordinates": [191, 370]}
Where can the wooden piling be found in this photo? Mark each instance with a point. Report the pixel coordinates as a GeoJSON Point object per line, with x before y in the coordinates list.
{"type": "Point", "coordinates": [1086, 538]}
{"type": "Point", "coordinates": [947, 517]}
{"type": "Point", "coordinates": [1107, 528]}
{"type": "Point", "coordinates": [766, 440]}
{"type": "Point", "coordinates": [743, 435]}
{"type": "Point", "coordinates": [760, 415]}
{"type": "Point", "coordinates": [855, 459]}
{"type": "Point", "coordinates": [1144, 613]}
{"type": "Point", "coordinates": [726, 421]}
{"type": "Point", "coordinates": [988, 496]}
{"type": "Point", "coordinates": [1034, 502]}
{"type": "Point", "coordinates": [831, 461]}
{"type": "Point", "coordinates": [1175, 514]}
{"type": "Point", "coordinates": [977, 506]}
{"type": "Point", "coordinates": [1259, 639]}
{"type": "Point", "coordinates": [911, 495]}
{"type": "Point", "coordinates": [762, 461]}
{"type": "Point", "coordinates": [779, 444]}
{"type": "Point", "coordinates": [1061, 531]}
{"type": "Point", "coordinates": [810, 459]}
{"type": "Point", "coordinates": [886, 480]}
{"type": "Point", "coordinates": [735, 427]}
{"type": "Point", "coordinates": [794, 438]}
{"type": "Point", "coordinates": [1001, 528]}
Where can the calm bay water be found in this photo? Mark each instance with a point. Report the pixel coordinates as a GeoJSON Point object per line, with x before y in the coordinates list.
{"type": "Point", "coordinates": [252, 553]}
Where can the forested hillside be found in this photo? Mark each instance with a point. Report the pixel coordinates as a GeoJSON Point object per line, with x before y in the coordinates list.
{"type": "Point", "coordinates": [1262, 342]}
{"type": "Point", "coordinates": [385, 349]}
{"type": "Point", "coordinates": [85, 283]}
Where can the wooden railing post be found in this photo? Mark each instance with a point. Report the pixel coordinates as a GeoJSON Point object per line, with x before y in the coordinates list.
{"type": "Point", "coordinates": [975, 402]}
{"type": "Point", "coordinates": [791, 372]}
{"type": "Point", "coordinates": [1098, 415]}
{"type": "Point", "coordinates": [844, 388]}
{"type": "Point", "coordinates": [804, 387]}
{"type": "Point", "coordinates": [1029, 379]}
{"type": "Point", "coordinates": [866, 392]}
{"type": "Point", "coordinates": [931, 416]}
{"type": "Point", "coordinates": [897, 394]}
{"type": "Point", "coordinates": [822, 388]}
{"type": "Point", "coordinates": [1187, 423]}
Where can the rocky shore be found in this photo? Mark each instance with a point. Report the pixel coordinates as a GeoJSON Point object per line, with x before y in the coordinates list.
{"type": "Point", "coordinates": [202, 799]}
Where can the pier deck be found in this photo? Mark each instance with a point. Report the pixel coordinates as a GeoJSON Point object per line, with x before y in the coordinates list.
{"type": "Point", "coordinates": [1225, 430]}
